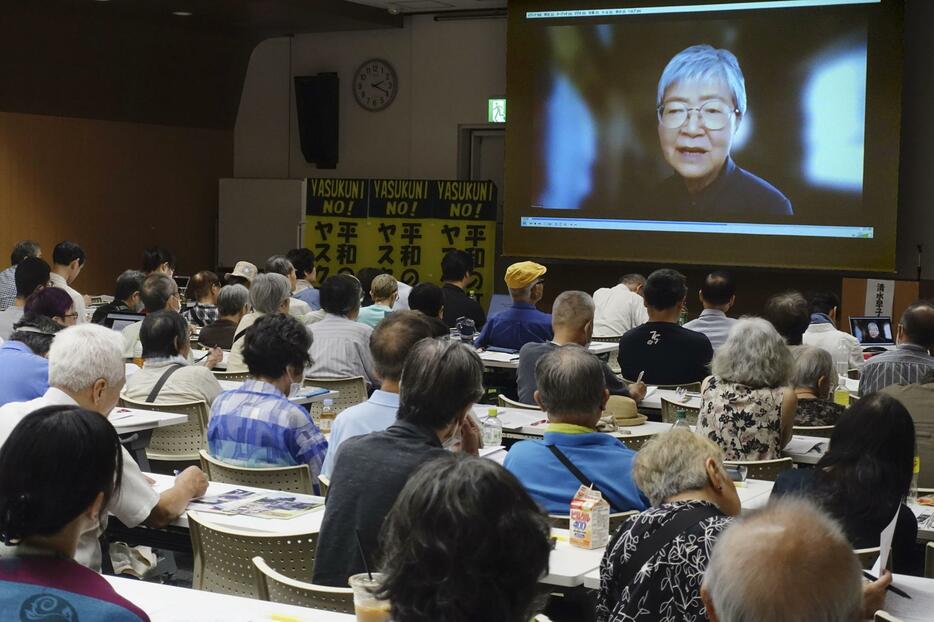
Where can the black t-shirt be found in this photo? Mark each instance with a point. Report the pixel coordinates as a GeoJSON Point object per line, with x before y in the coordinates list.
{"type": "Point", "coordinates": [458, 304]}
{"type": "Point", "coordinates": [666, 352]}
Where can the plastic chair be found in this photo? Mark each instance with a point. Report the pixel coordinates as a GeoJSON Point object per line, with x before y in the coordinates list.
{"type": "Point", "coordinates": [635, 443]}
{"type": "Point", "coordinates": [223, 561]}
{"type": "Point", "coordinates": [867, 557]}
{"type": "Point", "coordinates": [176, 443]}
{"type": "Point", "coordinates": [504, 402]}
{"type": "Point", "coordinates": [278, 588]}
{"type": "Point", "coordinates": [236, 376]}
{"type": "Point", "coordinates": [882, 616]}
{"type": "Point", "coordinates": [324, 484]}
{"type": "Point", "coordinates": [606, 339]}
{"type": "Point", "coordinates": [352, 391]}
{"type": "Point", "coordinates": [823, 431]}
{"type": "Point", "coordinates": [670, 409]}
{"type": "Point", "coordinates": [763, 469]}
{"type": "Point", "coordinates": [287, 479]}
{"type": "Point", "coordinates": [563, 521]}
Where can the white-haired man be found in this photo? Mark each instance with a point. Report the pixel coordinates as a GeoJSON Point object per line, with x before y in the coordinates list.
{"type": "Point", "coordinates": [86, 369]}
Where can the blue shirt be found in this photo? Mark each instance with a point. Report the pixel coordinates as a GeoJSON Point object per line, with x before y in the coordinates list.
{"type": "Point", "coordinates": [374, 415]}
{"type": "Point", "coordinates": [24, 376]}
{"type": "Point", "coordinates": [255, 425]}
{"type": "Point", "coordinates": [373, 315]}
{"type": "Point", "coordinates": [518, 325]}
{"type": "Point", "coordinates": [310, 295]}
{"type": "Point", "coordinates": [601, 457]}
{"type": "Point", "coordinates": [715, 324]}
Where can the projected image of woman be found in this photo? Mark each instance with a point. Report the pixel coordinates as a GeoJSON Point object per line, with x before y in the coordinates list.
{"type": "Point", "coordinates": [701, 103]}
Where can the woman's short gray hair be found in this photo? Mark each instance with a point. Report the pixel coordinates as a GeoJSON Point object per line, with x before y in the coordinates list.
{"type": "Point", "coordinates": [754, 355]}
{"type": "Point", "coordinates": [269, 291]}
{"type": "Point", "coordinates": [81, 355]}
{"type": "Point", "coordinates": [703, 63]}
{"type": "Point", "coordinates": [232, 299]}
{"type": "Point", "coordinates": [672, 463]}
{"type": "Point", "coordinates": [812, 363]}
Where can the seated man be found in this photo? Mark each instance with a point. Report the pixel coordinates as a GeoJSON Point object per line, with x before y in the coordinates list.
{"type": "Point", "coordinates": [521, 323]}
{"type": "Point", "coordinates": [255, 424]}
{"type": "Point", "coordinates": [572, 320]}
{"type": "Point", "coordinates": [341, 346]}
{"type": "Point", "coordinates": [788, 313]}
{"type": "Point", "coordinates": [233, 302]}
{"type": "Point", "coordinates": [166, 375]}
{"type": "Point", "coordinates": [305, 274]}
{"type": "Point", "coordinates": [717, 295]}
{"type": "Point", "coordinates": [918, 400]}
{"type": "Point", "coordinates": [428, 299]}
{"type": "Point", "coordinates": [572, 391]}
{"type": "Point", "coordinates": [32, 274]}
{"type": "Point", "coordinates": [68, 260]}
{"type": "Point", "coordinates": [440, 383]}
{"type": "Point", "coordinates": [269, 294]}
{"type": "Point", "coordinates": [202, 299]}
{"type": "Point", "coordinates": [910, 360]}
{"type": "Point", "coordinates": [278, 264]}
{"type": "Point", "coordinates": [159, 292]}
{"type": "Point", "coordinates": [23, 250]}
{"type": "Point", "coordinates": [86, 369]}
{"type": "Point", "coordinates": [126, 297]}
{"type": "Point", "coordinates": [456, 268]}
{"type": "Point", "coordinates": [24, 370]}
{"type": "Point", "coordinates": [390, 343]}
{"type": "Point", "coordinates": [823, 333]}
{"type": "Point", "coordinates": [619, 308]}
{"type": "Point", "coordinates": [667, 353]}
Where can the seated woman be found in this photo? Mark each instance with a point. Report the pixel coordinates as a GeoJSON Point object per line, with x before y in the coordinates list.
{"type": "Point", "coordinates": [53, 303]}
{"type": "Point", "coordinates": [24, 368]}
{"type": "Point", "coordinates": [682, 474]}
{"type": "Point", "coordinates": [233, 302]}
{"type": "Point", "coordinates": [45, 503]}
{"type": "Point", "coordinates": [166, 375]}
{"type": "Point", "coordinates": [202, 292]}
{"type": "Point", "coordinates": [384, 290]}
{"type": "Point", "coordinates": [746, 409]}
{"type": "Point", "coordinates": [812, 379]}
{"type": "Point", "coordinates": [864, 476]}
{"type": "Point", "coordinates": [470, 521]}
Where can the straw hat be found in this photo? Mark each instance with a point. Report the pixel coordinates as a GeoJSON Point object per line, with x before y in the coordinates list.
{"type": "Point", "coordinates": [623, 411]}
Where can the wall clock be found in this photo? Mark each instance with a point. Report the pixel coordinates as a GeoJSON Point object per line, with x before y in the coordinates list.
{"type": "Point", "coordinates": [375, 85]}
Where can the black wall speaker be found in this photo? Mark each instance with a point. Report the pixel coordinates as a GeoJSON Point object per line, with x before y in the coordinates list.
{"type": "Point", "coordinates": [317, 101]}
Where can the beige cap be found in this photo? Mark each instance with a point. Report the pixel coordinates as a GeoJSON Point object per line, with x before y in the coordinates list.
{"type": "Point", "coordinates": [523, 274]}
{"type": "Point", "coordinates": [244, 269]}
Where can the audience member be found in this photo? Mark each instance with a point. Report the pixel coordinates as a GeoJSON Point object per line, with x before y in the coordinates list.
{"type": "Point", "coordinates": [341, 346]}
{"type": "Point", "coordinates": [159, 292]}
{"type": "Point", "coordinates": [269, 294]}
{"type": "Point", "coordinates": [24, 370]}
{"type": "Point", "coordinates": [305, 274]}
{"type": "Point", "coordinates": [256, 424]}
{"type": "Point", "coordinates": [456, 269]}
{"type": "Point", "coordinates": [822, 332]}
{"type": "Point", "coordinates": [278, 264]}
{"type": "Point", "coordinates": [390, 343]}
{"type": "Point", "coordinates": [747, 409]}
{"type": "Point", "coordinates": [667, 353]}
{"type": "Point", "coordinates": [67, 262]}
{"type": "Point", "coordinates": [910, 360]}
{"type": "Point", "coordinates": [428, 299]}
{"type": "Point", "coordinates": [812, 381]}
{"type": "Point", "coordinates": [619, 308]}
{"type": "Point", "coordinates": [243, 274]}
{"type": "Point", "coordinates": [440, 383]}
{"type": "Point", "coordinates": [23, 250]}
{"type": "Point", "coordinates": [817, 579]}
{"type": "Point", "coordinates": [45, 503]}
{"type": "Point", "coordinates": [521, 323]}
{"type": "Point", "coordinates": [126, 298]}
{"type": "Point", "coordinates": [717, 295]}
{"type": "Point", "coordinates": [32, 274]}
{"type": "Point", "coordinates": [86, 369]}
{"type": "Point", "coordinates": [383, 291]}
{"type": "Point", "coordinates": [469, 521]}
{"type": "Point", "coordinates": [366, 276]}
{"type": "Point", "coordinates": [918, 400]}
{"type": "Point", "coordinates": [54, 304]}
{"type": "Point", "coordinates": [572, 392]}
{"type": "Point", "coordinates": [166, 375]}
{"type": "Point", "coordinates": [790, 316]}
{"type": "Point", "coordinates": [692, 500]}
{"type": "Point", "coordinates": [202, 292]}
{"type": "Point", "coordinates": [572, 320]}
{"type": "Point", "coordinates": [233, 302]}
{"type": "Point", "coordinates": [158, 260]}
{"type": "Point", "coordinates": [864, 477]}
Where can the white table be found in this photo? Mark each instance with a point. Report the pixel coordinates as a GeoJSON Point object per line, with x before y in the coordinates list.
{"type": "Point", "coordinates": [568, 564]}
{"type": "Point", "coordinates": [654, 400]}
{"type": "Point", "coordinates": [141, 423]}
{"type": "Point", "coordinates": [925, 516]}
{"type": "Point", "coordinates": [231, 385]}
{"type": "Point", "coordinates": [511, 361]}
{"type": "Point", "coordinates": [533, 423]}
{"type": "Point", "coordinates": [165, 603]}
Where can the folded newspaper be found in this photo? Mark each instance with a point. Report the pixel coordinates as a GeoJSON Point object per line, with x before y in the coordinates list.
{"type": "Point", "coordinates": [242, 502]}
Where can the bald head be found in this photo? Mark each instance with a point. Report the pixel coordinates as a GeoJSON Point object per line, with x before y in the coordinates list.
{"type": "Point", "coordinates": [918, 324]}
{"type": "Point", "coordinates": [789, 562]}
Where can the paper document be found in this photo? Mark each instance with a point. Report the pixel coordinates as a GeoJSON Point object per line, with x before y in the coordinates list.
{"type": "Point", "coordinates": [242, 502]}
{"type": "Point", "coordinates": [805, 444]}
{"type": "Point", "coordinates": [516, 419]}
{"type": "Point", "coordinates": [915, 609]}
{"type": "Point", "coordinates": [885, 545]}
{"type": "Point", "coordinates": [852, 385]}
{"type": "Point", "coordinates": [499, 357]}
{"type": "Point", "coordinates": [650, 391]}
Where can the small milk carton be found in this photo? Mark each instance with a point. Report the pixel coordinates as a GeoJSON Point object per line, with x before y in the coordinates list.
{"type": "Point", "coordinates": [590, 519]}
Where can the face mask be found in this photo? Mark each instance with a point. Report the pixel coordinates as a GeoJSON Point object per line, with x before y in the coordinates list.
{"type": "Point", "coordinates": [452, 442]}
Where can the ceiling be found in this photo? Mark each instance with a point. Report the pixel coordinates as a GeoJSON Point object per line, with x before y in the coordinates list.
{"type": "Point", "coordinates": [433, 6]}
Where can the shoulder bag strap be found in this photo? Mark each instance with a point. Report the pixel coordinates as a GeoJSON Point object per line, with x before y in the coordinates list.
{"type": "Point", "coordinates": [239, 335]}
{"type": "Point", "coordinates": [162, 380]}
{"type": "Point", "coordinates": [583, 479]}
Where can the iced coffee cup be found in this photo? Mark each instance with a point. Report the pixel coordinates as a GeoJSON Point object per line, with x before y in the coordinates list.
{"type": "Point", "coordinates": [368, 607]}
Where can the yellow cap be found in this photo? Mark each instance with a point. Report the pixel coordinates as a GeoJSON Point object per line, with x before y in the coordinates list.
{"type": "Point", "coordinates": [523, 274]}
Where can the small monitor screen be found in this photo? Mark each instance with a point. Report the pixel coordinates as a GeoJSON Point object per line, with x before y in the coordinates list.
{"type": "Point", "coordinates": [119, 321]}
{"type": "Point", "coordinates": [872, 330]}
{"type": "Point", "coordinates": [182, 282]}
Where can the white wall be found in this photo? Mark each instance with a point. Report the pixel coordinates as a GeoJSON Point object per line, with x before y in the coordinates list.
{"type": "Point", "coordinates": [446, 70]}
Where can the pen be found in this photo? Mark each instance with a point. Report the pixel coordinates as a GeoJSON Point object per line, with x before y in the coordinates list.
{"type": "Point", "coordinates": [890, 588]}
{"type": "Point", "coordinates": [639, 379]}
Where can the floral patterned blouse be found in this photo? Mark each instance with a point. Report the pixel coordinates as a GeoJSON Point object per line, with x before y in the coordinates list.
{"type": "Point", "coordinates": [668, 587]}
{"type": "Point", "coordinates": [817, 412]}
{"type": "Point", "coordinates": [746, 423]}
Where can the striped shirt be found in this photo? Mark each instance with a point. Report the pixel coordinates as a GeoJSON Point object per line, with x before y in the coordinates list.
{"type": "Point", "coordinates": [255, 425]}
{"type": "Point", "coordinates": [341, 348]}
{"type": "Point", "coordinates": [7, 287]}
{"type": "Point", "coordinates": [907, 364]}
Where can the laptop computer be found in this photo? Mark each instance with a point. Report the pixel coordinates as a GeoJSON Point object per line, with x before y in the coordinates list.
{"type": "Point", "coordinates": [119, 321]}
{"type": "Point", "coordinates": [498, 302]}
{"type": "Point", "coordinates": [873, 330]}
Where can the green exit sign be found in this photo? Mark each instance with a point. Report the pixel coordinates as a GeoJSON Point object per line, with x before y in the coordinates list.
{"type": "Point", "coordinates": [496, 110]}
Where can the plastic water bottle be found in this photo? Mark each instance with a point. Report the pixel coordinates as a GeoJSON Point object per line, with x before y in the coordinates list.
{"type": "Point", "coordinates": [138, 353]}
{"type": "Point", "coordinates": [681, 419]}
{"type": "Point", "coordinates": [683, 316]}
{"type": "Point", "coordinates": [916, 469]}
{"type": "Point", "coordinates": [327, 415]}
{"type": "Point", "coordinates": [492, 429]}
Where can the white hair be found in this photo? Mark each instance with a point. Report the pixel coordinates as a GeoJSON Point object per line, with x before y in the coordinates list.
{"type": "Point", "coordinates": [572, 308]}
{"type": "Point", "coordinates": [702, 63]}
{"type": "Point", "coordinates": [269, 291]}
{"type": "Point", "coordinates": [754, 355]}
{"type": "Point", "coordinates": [811, 363]}
{"type": "Point", "coordinates": [789, 562]}
{"type": "Point", "coordinates": [81, 355]}
{"type": "Point", "coordinates": [672, 463]}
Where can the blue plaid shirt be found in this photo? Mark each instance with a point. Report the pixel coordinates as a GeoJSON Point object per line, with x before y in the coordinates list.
{"type": "Point", "coordinates": [255, 425]}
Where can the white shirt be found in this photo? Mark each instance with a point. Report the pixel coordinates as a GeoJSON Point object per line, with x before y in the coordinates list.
{"type": "Point", "coordinates": [8, 317]}
{"type": "Point", "coordinates": [618, 310]}
{"type": "Point", "coordinates": [715, 324]}
{"type": "Point", "coordinates": [827, 337]}
{"type": "Point", "coordinates": [298, 308]}
{"type": "Point", "coordinates": [131, 338]}
{"type": "Point", "coordinates": [186, 384]}
{"type": "Point", "coordinates": [132, 503]}
{"type": "Point", "coordinates": [402, 302]}
{"type": "Point", "coordinates": [59, 281]}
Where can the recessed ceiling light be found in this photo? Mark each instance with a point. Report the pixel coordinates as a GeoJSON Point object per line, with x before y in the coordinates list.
{"type": "Point", "coordinates": [182, 13]}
